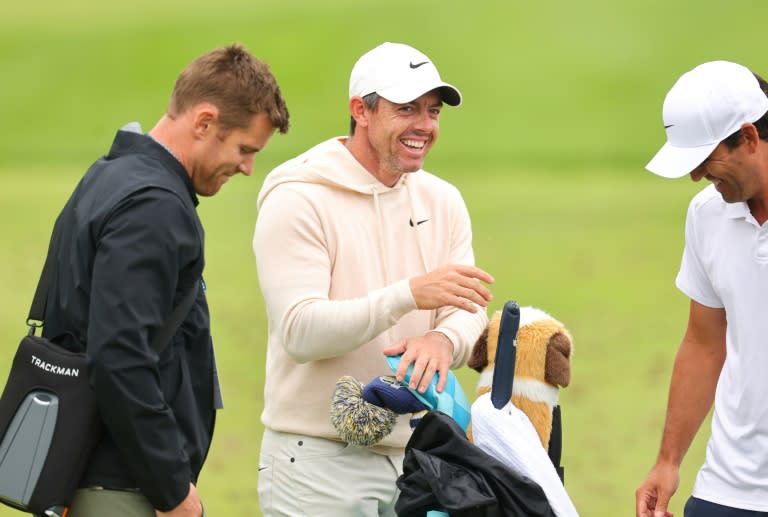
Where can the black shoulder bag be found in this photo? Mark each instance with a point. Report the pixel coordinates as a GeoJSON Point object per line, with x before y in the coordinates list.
{"type": "Point", "coordinates": [49, 423]}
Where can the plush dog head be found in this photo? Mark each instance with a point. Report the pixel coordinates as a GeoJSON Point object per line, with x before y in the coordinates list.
{"type": "Point", "coordinates": [542, 366]}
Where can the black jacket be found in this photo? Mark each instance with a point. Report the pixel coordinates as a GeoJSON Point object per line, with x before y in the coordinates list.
{"type": "Point", "coordinates": [131, 247]}
{"type": "Point", "coordinates": [442, 470]}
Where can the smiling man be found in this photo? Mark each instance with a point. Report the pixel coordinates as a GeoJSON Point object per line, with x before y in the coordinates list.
{"type": "Point", "coordinates": [360, 254]}
{"type": "Point", "coordinates": [717, 129]}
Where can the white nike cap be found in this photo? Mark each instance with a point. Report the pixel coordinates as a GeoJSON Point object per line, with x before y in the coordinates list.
{"type": "Point", "coordinates": [704, 107]}
{"type": "Point", "coordinates": [400, 74]}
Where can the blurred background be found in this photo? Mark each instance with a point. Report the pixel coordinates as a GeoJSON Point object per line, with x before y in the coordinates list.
{"type": "Point", "coordinates": [562, 111]}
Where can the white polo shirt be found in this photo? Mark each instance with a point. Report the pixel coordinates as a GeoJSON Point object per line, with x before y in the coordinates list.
{"type": "Point", "coordinates": [725, 265]}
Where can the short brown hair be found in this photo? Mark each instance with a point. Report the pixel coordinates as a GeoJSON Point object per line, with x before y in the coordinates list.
{"type": "Point", "coordinates": [371, 102]}
{"type": "Point", "coordinates": [236, 82]}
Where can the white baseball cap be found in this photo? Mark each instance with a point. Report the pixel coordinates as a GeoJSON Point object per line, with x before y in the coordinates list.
{"type": "Point", "coordinates": [400, 74]}
{"type": "Point", "coordinates": [703, 108]}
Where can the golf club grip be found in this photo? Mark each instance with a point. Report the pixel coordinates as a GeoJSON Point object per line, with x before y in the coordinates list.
{"type": "Point", "coordinates": [506, 350]}
{"type": "Point", "coordinates": [556, 442]}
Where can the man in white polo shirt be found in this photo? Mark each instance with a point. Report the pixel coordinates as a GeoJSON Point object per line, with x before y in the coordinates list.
{"type": "Point", "coordinates": [715, 120]}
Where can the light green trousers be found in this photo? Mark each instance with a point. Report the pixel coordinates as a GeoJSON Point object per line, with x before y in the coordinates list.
{"type": "Point", "coordinates": [304, 476]}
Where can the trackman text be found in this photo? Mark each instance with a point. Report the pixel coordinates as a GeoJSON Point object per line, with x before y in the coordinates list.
{"type": "Point", "coordinates": [52, 368]}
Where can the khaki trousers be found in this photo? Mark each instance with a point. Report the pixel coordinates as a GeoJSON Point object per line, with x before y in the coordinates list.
{"type": "Point", "coordinates": [303, 476]}
{"type": "Point", "coordinates": [98, 502]}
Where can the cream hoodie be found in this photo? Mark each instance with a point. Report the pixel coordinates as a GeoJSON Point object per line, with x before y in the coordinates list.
{"type": "Point", "coordinates": [334, 251]}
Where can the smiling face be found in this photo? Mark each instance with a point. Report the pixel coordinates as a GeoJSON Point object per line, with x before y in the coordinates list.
{"type": "Point", "coordinates": [393, 139]}
{"type": "Point", "coordinates": [732, 173]}
{"type": "Point", "coordinates": [225, 153]}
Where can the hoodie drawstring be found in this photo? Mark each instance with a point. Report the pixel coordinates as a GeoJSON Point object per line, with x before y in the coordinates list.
{"type": "Point", "coordinates": [380, 230]}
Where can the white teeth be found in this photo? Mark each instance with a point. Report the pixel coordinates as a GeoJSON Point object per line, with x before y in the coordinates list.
{"type": "Point", "coordinates": [414, 143]}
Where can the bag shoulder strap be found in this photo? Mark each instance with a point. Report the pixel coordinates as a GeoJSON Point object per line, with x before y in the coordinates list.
{"type": "Point", "coordinates": [164, 335]}
{"type": "Point", "coordinates": [40, 300]}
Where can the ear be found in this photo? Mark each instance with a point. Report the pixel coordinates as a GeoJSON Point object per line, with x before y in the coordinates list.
{"type": "Point", "coordinates": [205, 117]}
{"type": "Point", "coordinates": [478, 360]}
{"type": "Point", "coordinates": [358, 111]}
{"type": "Point", "coordinates": [557, 362]}
{"type": "Point", "coordinates": [750, 136]}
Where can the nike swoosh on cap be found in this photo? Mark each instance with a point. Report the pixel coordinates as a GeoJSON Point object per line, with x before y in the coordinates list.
{"type": "Point", "coordinates": [410, 221]}
{"type": "Point", "coordinates": [417, 65]}
{"type": "Point", "coordinates": [669, 126]}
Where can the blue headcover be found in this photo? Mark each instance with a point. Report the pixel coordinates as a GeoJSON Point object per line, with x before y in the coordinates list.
{"type": "Point", "coordinates": [386, 392]}
{"type": "Point", "coordinates": [451, 401]}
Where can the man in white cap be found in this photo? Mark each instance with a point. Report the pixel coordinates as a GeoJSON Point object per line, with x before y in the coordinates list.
{"type": "Point", "coordinates": [360, 254]}
{"type": "Point", "coordinates": [716, 124]}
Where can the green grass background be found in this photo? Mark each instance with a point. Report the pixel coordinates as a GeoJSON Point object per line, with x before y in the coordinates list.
{"type": "Point", "coordinates": [562, 111]}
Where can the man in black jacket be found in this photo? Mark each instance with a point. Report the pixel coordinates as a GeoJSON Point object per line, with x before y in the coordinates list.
{"type": "Point", "coordinates": [131, 248]}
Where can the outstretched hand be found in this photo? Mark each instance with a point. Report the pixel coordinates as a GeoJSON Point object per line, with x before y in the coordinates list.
{"type": "Point", "coordinates": [452, 285]}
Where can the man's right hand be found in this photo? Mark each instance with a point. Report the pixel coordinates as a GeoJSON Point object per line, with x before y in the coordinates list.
{"type": "Point", "coordinates": [189, 507]}
{"type": "Point", "coordinates": [452, 285]}
{"type": "Point", "coordinates": [652, 497]}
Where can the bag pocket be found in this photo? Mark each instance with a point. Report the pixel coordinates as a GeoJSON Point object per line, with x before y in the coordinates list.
{"type": "Point", "coordinates": [49, 425]}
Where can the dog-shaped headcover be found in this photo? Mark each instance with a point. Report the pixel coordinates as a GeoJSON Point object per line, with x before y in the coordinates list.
{"type": "Point", "coordinates": [542, 365]}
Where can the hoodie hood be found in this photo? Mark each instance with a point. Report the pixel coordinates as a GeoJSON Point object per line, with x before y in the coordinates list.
{"type": "Point", "coordinates": [328, 163]}
{"type": "Point", "coordinates": [331, 164]}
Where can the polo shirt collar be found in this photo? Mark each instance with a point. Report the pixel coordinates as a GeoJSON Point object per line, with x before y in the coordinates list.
{"type": "Point", "coordinates": [738, 210]}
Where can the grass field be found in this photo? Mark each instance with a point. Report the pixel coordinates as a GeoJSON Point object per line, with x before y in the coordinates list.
{"type": "Point", "coordinates": [562, 110]}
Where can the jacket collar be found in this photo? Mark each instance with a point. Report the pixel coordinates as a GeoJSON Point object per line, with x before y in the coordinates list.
{"type": "Point", "coordinates": [131, 142]}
